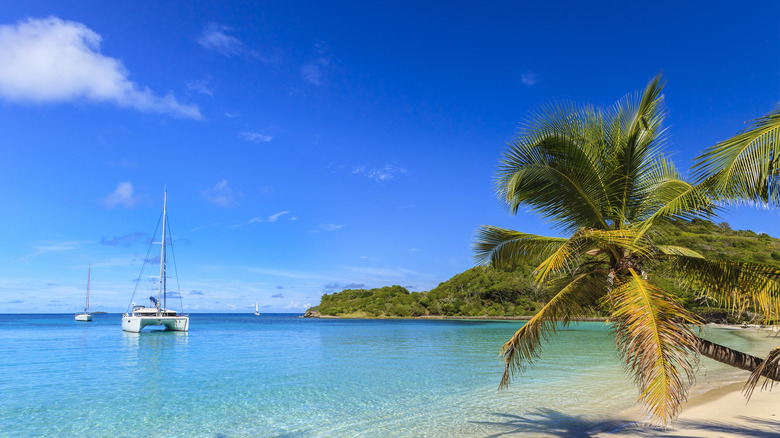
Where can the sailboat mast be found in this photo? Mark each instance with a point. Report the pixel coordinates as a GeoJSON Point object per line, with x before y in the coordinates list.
{"type": "Point", "coordinates": [89, 272]}
{"type": "Point", "coordinates": [162, 254]}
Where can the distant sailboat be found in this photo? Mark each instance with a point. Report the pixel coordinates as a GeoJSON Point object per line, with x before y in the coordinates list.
{"type": "Point", "coordinates": [156, 314]}
{"type": "Point", "coordinates": [257, 312]}
{"type": "Point", "coordinates": [86, 317]}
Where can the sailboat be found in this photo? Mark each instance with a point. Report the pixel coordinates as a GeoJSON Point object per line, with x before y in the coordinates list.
{"type": "Point", "coordinates": [86, 317]}
{"type": "Point", "coordinates": [156, 314]}
{"type": "Point", "coordinates": [257, 312]}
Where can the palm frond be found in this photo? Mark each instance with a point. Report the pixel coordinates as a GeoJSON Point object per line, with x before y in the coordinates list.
{"type": "Point", "coordinates": [521, 350]}
{"type": "Point", "coordinates": [681, 201]}
{"type": "Point", "coordinates": [638, 147]}
{"type": "Point", "coordinates": [738, 285]}
{"type": "Point", "coordinates": [555, 165]}
{"type": "Point", "coordinates": [655, 342]}
{"type": "Point", "coordinates": [770, 365]}
{"type": "Point", "coordinates": [672, 250]}
{"type": "Point", "coordinates": [585, 239]}
{"type": "Point", "coordinates": [500, 246]}
{"type": "Point", "coordinates": [746, 167]}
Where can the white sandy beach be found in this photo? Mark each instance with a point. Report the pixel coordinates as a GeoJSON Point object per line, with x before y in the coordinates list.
{"type": "Point", "coordinates": [722, 412]}
{"type": "Point", "coordinates": [719, 409]}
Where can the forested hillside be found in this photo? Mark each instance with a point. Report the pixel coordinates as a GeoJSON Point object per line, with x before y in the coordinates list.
{"type": "Point", "coordinates": [510, 292]}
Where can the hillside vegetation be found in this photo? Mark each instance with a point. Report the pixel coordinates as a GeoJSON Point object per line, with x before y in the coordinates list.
{"type": "Point", "coordinates": [510, 292]}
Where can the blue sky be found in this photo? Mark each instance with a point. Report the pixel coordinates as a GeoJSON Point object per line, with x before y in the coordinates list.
{"type": "Point", "coordinates": [310, 147]}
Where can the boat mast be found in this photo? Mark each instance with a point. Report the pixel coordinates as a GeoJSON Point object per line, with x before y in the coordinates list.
{"type": "Point", "coordinates": [89, 271]}
{"type": "Point", "coordinates": [162, 255]}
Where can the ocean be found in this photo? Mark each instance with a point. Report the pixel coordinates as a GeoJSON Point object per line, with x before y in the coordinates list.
{"type": "Point", "coordinates": [279, 375]}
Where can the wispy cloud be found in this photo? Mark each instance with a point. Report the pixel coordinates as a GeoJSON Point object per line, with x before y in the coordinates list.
{"type": "Point", "coordinates": [382, 174]}
{"type": "Point", "coordinates": [326, 227]}
{"type": "Point", "coordinates": [215, 38]}
{"type": "Point", "coordinates": [50, 247]}
{"type": "Point", "coordinates": [313, 71]}
{"type": "Point", "coordinates": [53, 60]}
{"type": "Point", "coordinates": [221, 194]}
{"type": "Point", "coordinates": [255, 137]}
{"type": "Point", "coordinates": [200, 86]}
{"type": "Point", "coordinates": [297, 305]}
{"type": "Point", "coordinates": [312, 74]}
{"type": "Point", "coordinates": [124, 162]}
{"type": "Point", "coordinates": [277, 296]}
{"type": "Point", "coordinates": [529, 79]}
{"type": "Point", "coordinates": [333, 287]}
{"type": "Point", "coordinates": [275, 217]}
{"type": "Point", "coordinates": [126, 240]}
{"type": "Point", "coordinates": [123, 195]}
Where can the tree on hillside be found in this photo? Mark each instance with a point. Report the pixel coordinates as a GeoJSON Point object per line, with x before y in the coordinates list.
{"type": "Point", "coordinates": [600, 176]}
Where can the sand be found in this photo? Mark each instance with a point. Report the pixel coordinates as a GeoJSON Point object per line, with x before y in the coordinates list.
{"type": "Point", "coordinates": [721, 412]}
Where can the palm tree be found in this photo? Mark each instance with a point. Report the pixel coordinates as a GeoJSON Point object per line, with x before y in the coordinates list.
{"type": "Point", "coordinates": [601, 177]}
{"type": "Point", "coordinates": [745, 169]}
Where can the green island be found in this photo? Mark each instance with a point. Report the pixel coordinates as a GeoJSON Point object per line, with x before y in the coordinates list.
{"type": "Point", "coordinates": [510, 292]}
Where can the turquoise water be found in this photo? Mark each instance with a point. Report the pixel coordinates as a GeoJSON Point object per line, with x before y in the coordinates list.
{"type": "Point", "coordinates": [284, 376]}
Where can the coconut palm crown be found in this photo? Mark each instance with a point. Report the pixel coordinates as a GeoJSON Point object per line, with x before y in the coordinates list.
{"type": "Point", "coordinates": [600, 176]}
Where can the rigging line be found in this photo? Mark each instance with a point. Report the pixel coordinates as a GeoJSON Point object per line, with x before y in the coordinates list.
{"type": "Point", "coordinates": [175, 268]}
{"type": "Point", "coordinates": [143, 265]}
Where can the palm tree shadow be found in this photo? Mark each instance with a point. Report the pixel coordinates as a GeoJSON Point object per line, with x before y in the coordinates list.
{"type": "Point", "coordinates": [548, 422]}
{"type": "Point", "coordinates": [552, 423]}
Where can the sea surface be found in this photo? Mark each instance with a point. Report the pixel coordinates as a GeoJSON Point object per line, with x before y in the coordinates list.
{"type": "Point", "coordinates": [279, 375]}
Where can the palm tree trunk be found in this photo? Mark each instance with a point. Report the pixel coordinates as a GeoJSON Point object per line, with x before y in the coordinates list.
{"type": "Point", "coordinates": [734, 358]}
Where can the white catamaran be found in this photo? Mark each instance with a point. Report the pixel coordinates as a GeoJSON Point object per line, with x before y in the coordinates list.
{"type": "Point", "coordinates": [86, 317]}
{"type": "Point", "coordinates": [156, 314]}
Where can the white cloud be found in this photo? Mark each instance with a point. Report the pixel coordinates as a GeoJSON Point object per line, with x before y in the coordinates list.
{"type": "Point", "coordinates": [255, 220]}
{"type": "Point", "coordinates": [275, 217]}
{"type": "Point", "coordinates": [326, 227]}
{"type": "Point", "coordinates": [296, 305]}
{"type": "Point", "coordinates": [313, 71]}
{"type": "Point", "coordinates": [256, 137]}
{"type": "Point", "coordinates": [123, 195]}
{"type": "Point", "coordinates": [312, 74]}
{"type": "Point", "coordinates": [54, 247]}
{"type": "Point", "coordinates": [382, 174]}
{"type": "Point", "coordinates": [529, 79]}
{"type": "Point", "coordinates": [215, 38]}
{"type": "Point", "coordinates": [52, 60]}
{"type": "Point", "coordinates": [200, 86]}
{"type": "Point", "coordinates": [221, 194]}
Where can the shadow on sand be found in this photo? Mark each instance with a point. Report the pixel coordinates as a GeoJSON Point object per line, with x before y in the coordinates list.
{"type": "Point", "coordinates": [550, 423]}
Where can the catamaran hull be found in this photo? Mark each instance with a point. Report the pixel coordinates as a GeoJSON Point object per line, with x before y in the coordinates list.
{"type": "Point", "coordinates": [84, 318]}
{"type": "Point", "coordinates": [135, 324]}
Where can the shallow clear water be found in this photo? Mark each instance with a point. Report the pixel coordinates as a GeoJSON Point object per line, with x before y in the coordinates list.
{"type": "Point", "coordinates": [280, 375]}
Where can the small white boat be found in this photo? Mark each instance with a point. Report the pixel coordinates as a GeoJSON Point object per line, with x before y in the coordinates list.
{"type": "Point", "coordinates": [86, 317]}
{"type": "Point", "coordinates": [257, 312]}
{"type": "Point", "coordinates": [156, 314]}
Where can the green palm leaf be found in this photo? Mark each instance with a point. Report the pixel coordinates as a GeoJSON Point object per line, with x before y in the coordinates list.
{"type": "Point", "coordinates": [770, 365]}
{"type": "Point", "coordinates": [654, 339]}
{"type": "Point", "coordinates": [521, 350]}
{"type": "Point", "coordinates": [738, 285]}
{"type": "Point", "coordinates": [499, 246]}
{"type": "Point", "coordinates": [746, 166]}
